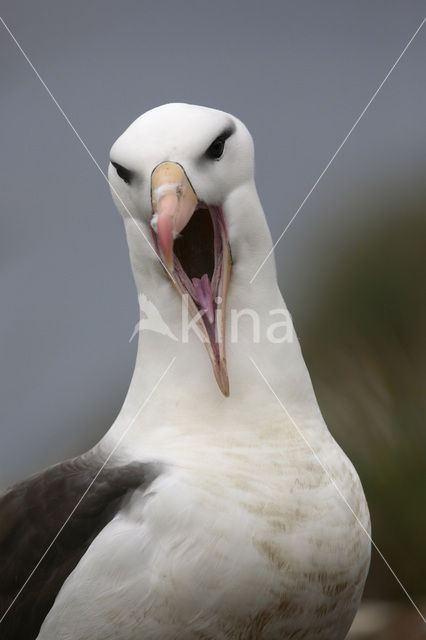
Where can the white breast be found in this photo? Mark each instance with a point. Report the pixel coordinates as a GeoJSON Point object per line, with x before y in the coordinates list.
{"type": "Point", "coordinates": [235, 539]}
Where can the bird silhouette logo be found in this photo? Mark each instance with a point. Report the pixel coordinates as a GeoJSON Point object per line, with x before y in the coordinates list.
{"type": "Point", "coordinates": [153, 320]}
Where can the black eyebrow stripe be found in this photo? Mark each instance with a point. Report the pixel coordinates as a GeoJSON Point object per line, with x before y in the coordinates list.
{"type": "Point", "coordinates": [226, 133]}
{"type": "Point", "coordinates": [124, 173]}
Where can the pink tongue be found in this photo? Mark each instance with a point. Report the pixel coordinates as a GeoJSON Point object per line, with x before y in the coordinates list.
{"type": "Point", "coordinates": [204, 294]}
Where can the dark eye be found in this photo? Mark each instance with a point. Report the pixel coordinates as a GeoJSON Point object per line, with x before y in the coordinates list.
{"type": "Point", "coordinates": [125, 174]}
{"type": "Point", "coordinates": [215, 150]}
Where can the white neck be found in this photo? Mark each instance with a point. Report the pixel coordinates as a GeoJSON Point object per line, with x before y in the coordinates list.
{"type": "Point", "coordinates": [188, 395]}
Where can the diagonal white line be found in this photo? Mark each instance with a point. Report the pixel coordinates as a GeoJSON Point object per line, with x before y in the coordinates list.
{"type": "Point", "coordinates": [302, 204]}
{"type": "Point", "coordinates": [88, 488]}
{"type": "Point", "coordinates": [80, 139]}
{"type": "Point", "coordinates": [336, 486]}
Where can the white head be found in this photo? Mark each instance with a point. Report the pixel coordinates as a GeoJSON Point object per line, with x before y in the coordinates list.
{"type": "Point", "coordinates": [183, 177]}
{"type": "Point", "coordinates": [181, 133]}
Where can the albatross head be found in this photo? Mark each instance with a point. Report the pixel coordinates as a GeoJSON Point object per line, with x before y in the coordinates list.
{"type": "Point", "coordinates": [182, 174]}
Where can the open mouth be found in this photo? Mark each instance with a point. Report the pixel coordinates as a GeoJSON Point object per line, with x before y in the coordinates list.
{"type": "Point", "coordinates": [199, 264]}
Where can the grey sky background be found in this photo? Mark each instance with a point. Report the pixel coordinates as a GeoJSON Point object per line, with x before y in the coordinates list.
{"type": "Point", "coordinates": [297, 73]}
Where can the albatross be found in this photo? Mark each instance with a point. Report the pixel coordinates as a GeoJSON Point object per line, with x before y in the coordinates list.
{"type": "Point", "coordinates": [217, 506]}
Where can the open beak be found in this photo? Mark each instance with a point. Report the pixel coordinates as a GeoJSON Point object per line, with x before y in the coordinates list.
{"type": "Point", "coordinates": [191, 238]}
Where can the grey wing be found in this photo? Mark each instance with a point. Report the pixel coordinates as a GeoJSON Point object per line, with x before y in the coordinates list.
{"type": "Point", "coordinates": [31, 514]}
